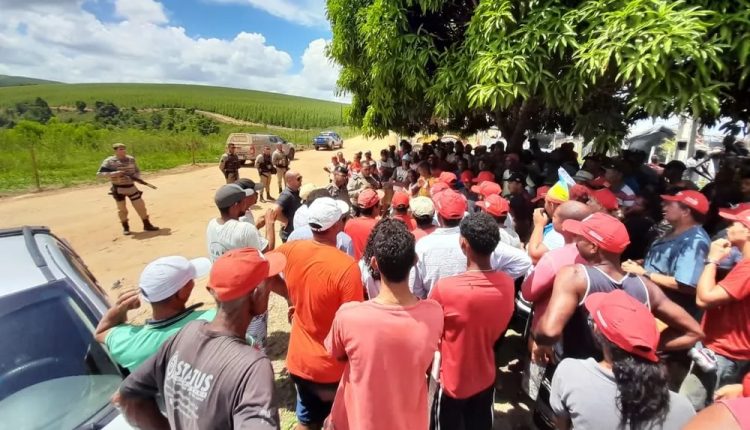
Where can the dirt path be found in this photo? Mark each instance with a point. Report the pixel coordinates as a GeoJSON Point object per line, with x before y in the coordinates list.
{"type": "Point", "coordinates": [86, 217]}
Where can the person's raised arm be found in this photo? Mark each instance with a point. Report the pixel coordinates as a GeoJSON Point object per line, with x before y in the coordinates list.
{"type": "Point", "coordinates": [569, 287]}
{"type": "Point", "coordinates": [708, 293]}
{"type": "Point", "coordinates": [682, 331]}
{"type": "Point", "coordinates": [117, 314]}
{"type": "Point", "coordinates": [536, 248]}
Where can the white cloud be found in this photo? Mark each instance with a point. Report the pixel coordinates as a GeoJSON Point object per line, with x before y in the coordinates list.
{"type": "Point", "coordinates": [70, 44]}
{"type": "Point", "coordinates": [141, 11]}
{"type": "Point", "coordinates": [304, 12]}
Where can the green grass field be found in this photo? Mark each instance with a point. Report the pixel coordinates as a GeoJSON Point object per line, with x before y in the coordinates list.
{"type": "Point", "coordinates": [74, 144]}
{"type": "Point", "coordinates": [253, 106]}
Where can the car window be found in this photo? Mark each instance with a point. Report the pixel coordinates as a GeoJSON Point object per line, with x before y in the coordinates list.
{"type": "Point", "coordinates": [55, 372]}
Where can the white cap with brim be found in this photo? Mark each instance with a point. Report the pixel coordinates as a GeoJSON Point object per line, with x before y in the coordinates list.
{"type": "Point", "coordinates": [165, 276]}
{"type": "Point", "coordinates": [230, 194]}
{"type": "Point", "coordinates": [325, 212]}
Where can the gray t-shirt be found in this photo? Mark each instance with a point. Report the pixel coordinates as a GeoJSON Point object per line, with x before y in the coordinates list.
{"type": "Point", "coordinates": [586, 393]}
{"type": "Point", "coordinates": [209, 380]}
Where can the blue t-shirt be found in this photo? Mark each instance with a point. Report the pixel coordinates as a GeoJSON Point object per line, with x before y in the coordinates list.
{"type": "Point", "coordinates": [681, 256]}
{"type": "Point", "coordinates": [343, 241]}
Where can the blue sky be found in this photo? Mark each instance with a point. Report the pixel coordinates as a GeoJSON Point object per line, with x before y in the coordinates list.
{"type": "Point", "coordinates": [272, 45]}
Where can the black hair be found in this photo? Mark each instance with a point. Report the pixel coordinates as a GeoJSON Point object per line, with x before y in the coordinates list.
{"type": "Point", "coordinates": [392, 245]}
{"type": "Point", "coordinates": [450, 223]}
{"type": "Point", "coordinates": [401, 211]}
{"type": "Point", "coordinates": [367, 211]}
{"type": "Point", "coordinates": [481, 231]}
{"type": "Point", "coordinates": [642, 388]}
{"type": "Point", "coordinates": [423, 221]}
{"type": "Point", "coordinates": [315, 195]}
{"type": "Point", "coordinates": [224, 211]}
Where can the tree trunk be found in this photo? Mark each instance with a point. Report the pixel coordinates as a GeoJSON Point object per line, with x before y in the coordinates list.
{"type": "Point", "coordinates": [514, 122]}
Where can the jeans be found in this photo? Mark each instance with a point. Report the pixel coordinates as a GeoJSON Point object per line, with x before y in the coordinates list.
{"type": "Point", "coordinates": [699, 386]}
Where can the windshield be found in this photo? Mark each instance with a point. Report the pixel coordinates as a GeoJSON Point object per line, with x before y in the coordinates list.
{"type": "Point", "coordinates": [53, 373]}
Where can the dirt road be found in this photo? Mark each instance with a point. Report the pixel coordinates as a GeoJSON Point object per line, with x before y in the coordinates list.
{"type": "Point", "coordinates": [87, 218]}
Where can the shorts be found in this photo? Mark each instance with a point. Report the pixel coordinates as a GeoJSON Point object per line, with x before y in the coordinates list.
{"type": "Point", "coordinates": [314, 400]}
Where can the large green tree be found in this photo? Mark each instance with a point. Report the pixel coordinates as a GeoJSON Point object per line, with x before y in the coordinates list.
{"type": "Point", "coordinates": [588, 67]}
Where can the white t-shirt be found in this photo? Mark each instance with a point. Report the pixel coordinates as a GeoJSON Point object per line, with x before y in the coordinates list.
{"type": "Point", "coordinates": [232, 234]}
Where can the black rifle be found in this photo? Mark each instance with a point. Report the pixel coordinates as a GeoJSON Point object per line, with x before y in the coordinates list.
{"type": "Point", "coordinates": [137, 180]}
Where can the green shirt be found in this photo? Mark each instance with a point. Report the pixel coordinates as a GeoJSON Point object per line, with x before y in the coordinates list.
{"type": "Point", "coordinates": [131, 345]}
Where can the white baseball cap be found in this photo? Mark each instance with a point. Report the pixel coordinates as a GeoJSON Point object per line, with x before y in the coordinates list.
{"type": "Point", "coordinates": [165, 276]}
{"type": "Point", "coordinates": [325, 212]}
{"type": "Point", "coordinates": [235, 234]}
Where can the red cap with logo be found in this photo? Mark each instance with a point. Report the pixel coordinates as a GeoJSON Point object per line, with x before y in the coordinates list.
{"type": "Point", "coordinates": [239, 271]}
{"type": "Point", "coordinates": [691, 199]}
{"type": "Point", "coordinates": [741, 216]}
{"type": "Point", "coordinates": [604, 230]}
{"type": "Point", "coordinates": [448, 178]}
{"type": "Point", "coordinates": [494, 205]}
{"type": "Point", "coordinates": [484, 176]}
{"type": "Point", "coordinates": [369, 198]}
{"type": "Point", "coordinates": [467, 177]}
{"type": "Point", "coordinates": [606, 198]}
{"type": "Point", "coordinates": [400, 200]}
{"type": "Point", "coordinates": [486, 188]}
{"type": "Point", "coordinates": [450, 204]}
{"type": "Point", "coordinates": [438, 187]}
{"type": "Point", "coordinates": [626, 322]}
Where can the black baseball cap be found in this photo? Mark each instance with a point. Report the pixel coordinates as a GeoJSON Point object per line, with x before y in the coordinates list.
{"type": "Point", "coordinates": [516, 177]}
{"type": "Point", "coordinates": [341, 169]}
{"type": "Point", "coordinates": [249, 184]}
{"type": "Point", "coordinates": [231, 194]}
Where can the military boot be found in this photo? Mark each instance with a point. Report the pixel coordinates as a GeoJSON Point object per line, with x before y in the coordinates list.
{"type": "Point", "coordinates": [147, 226]}
{"type": "Point", "coordinates": [125, 228]}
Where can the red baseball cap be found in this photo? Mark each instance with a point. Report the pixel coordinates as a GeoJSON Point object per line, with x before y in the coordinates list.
{"type": "Point", "coordinates": [369, 198]}
{"type": "Point", "coordinates": [487, 188]}
{"type": "Point", "coordinates": [691, 199]}
{"type": "Point", "coordinates": [736, 209]}
{"type": "Point", "coordinates": [626, 322]}
{"type": "Point", "coordinates": [606, 198]}
{"type": "Point", "coordinates": [400, 200]}
{"type": "Point", "coordinates": [450, 204]}
{"type": "Point", "coordinates": [541, 193]}
{"type": "Point", "coordinates": [448, 178]}
{"type": "Point", "coordinates": [484, 176]}
{"type": "Point", "coordinates": [239, 271]}
{"type": "Point", "coordinates": [602, 229]}
{"type": "Point", "coordinates": [494, 205]}
{"type": "Point", "coordinates": [467, 177]}
{"type": "Point", "coordinates": [438, 187]}
{"type": "Point", "coordinates": [599, 182]}
{"type": "Point", "coordinates": [577, 191]}
{"type": "Point", "coordinates": [742, 216]}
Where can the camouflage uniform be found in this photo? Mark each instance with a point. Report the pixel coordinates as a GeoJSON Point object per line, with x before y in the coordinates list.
{"type": "Point", "coordinates": [123, 187]}
{"type": "Point", "coordinates": [281, 163]}
{"type": "Point", "coordinates": [230, 166]}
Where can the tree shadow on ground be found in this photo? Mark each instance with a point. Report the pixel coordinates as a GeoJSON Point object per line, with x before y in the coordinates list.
{"type": "Point", "coordinates": [512, 406]}
{"type": "Point", "coordinates": [277, 344]}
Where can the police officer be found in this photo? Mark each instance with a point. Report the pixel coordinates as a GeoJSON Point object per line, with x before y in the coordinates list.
{"type": "Point", "coordinates": [230, 164]}
{"type": "Point", "coordinates": [264, 163]}
{"type": "Point", "coordinates": [122, 170]}
{"type": "Point", "coordinates": [281, 163]}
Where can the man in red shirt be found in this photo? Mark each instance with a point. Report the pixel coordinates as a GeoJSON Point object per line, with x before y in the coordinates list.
{"type": "Point", "coordinates": [477, 306]}
{"type": "Point", "coordinates": [400, 205]}
{"type": "Point", "coordinates": [360, 227]}
{"type": "Point", "coordinates": [383, 387]}
{"type": "Point", "coordinates": [726, 322]}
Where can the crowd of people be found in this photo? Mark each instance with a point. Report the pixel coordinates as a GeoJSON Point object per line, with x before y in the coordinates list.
{"type": "Point", "coordinates": [402, 276]}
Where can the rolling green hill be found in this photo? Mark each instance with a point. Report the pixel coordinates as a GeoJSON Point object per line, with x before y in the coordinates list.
{"type": "Point", "coordinates": [13, 81]}
{"type": "Point", "coordinates": [254, 106]}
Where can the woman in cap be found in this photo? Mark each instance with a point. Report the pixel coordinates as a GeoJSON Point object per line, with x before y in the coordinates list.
{"type": "Point", "coordinates": [628, 388]}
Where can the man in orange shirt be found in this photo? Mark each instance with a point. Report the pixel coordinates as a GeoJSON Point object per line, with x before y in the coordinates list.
{"type": "Point", "coordinates": [360, 227]}
{"type": "Point", "coordinates": [320, 278]}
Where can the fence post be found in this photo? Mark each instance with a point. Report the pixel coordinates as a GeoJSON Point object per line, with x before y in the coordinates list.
{"type": "Point", "coordinates": [35, 167]}
{"type": "Point", "coordinates": [193, 143]}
